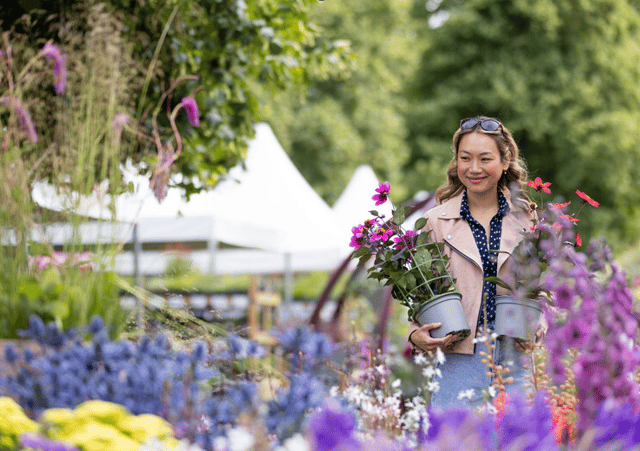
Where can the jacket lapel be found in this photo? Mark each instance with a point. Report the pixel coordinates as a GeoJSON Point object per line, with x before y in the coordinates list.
{"type": "Point", "coordinates": [457, 233]}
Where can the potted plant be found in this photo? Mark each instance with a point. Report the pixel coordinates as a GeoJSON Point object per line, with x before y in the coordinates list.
{"type": "Point", "coordinates": [416, 268]}
{"type": "Point", "coordinates": [518, 312]}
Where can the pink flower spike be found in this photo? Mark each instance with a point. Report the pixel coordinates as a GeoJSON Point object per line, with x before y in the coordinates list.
{"type": "Point", "coordinates": [383, 192]}
{"type": "Point", "coordinates": [18, 108]}
{"type": "Point", "coordinates": [191, 107]}
{"type": "Point", "coordinates": [53, 53]}
{"type": "Point", "coordinates": [587, 199]}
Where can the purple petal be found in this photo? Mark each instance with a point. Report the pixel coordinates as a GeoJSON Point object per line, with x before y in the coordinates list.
{"type": "Point", "coordinates": [191, 107]}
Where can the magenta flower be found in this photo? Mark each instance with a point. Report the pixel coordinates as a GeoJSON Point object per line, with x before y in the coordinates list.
{"type": "Point", "coordinates": [18, 108]}
{"type": "Point", "coordinates": [191, 108]}
{"type": "Point", "coordinates": [120, 120]}
{"type": "Point", "coordinates": [576, 333]}
{"type": "Point", "coordinates": [359, 238]}
{"type": "Point", "coordinates": [381, 234]}
{"type": "Point", "coordinates": [383, 192]}
{"type": "Point", "coordinates": [406, 240]}
{"type": "Point", "coordinates": [53, 53]}
{"type": "Point", "coordinates": [564, 296]}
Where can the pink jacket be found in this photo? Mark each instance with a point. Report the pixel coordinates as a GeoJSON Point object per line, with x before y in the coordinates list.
{"type": "Point", "coordinates": [465, 263]}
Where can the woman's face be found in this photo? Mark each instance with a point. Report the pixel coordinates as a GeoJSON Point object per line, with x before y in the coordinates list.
{"type": "Point", "coordinates": [479, 164]}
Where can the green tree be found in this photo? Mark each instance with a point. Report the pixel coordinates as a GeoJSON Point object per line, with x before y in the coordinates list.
{"type": "Point", "coordinates": [231, 45]}
{"type": "Point", "coordinates": [563, 75]}
{"type": "Point", "coordinates": [341, 124]}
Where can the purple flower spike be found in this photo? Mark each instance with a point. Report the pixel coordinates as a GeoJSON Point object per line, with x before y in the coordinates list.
{"type": "Point", "coordinates": [191, 107]}
{"type": "Point", "coordinates": [383, 192]}
{"type": "Point", "coordinates": [27, 124]}
{"type": "Point", "coordinates": [53, 53]}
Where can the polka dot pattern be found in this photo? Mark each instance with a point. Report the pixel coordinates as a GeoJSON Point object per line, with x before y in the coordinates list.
{"type": "Point", "coordinates": [489, 259]}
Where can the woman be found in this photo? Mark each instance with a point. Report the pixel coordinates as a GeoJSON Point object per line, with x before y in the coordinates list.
{"type": "Point", "coordinates": [482, 208]}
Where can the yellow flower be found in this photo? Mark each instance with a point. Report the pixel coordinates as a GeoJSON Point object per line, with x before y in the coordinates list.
{"type": "Point", "coordinates": [13, 420]}
{"type": "Point", "coordinates": [103, 411]}
{"type": "Point", "coordinates": [141, 427]}
{"type": "Point", "coordinates": [94, 436]}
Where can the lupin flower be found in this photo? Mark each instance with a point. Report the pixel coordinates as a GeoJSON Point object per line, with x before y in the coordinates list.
{"type": "Point", "coordinates": [191, 108]}
{"type": "Point", "coordinates": [382, 193]}
{"type": "Point", "coordinates": [53, 53]}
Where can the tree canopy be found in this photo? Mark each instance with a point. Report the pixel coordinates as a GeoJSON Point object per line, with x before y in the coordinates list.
{"type": "Point", "coordinates": [232, 46]}
{"type": "Point", "coordinates": [564, 76]}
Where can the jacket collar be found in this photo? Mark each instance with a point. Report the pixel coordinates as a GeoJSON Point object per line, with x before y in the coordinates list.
{"type": "Point", "coordinates": [459, 233]}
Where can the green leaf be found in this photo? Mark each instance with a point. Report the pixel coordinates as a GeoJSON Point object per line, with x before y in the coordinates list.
{"type": "Point", "coordinates": [498, 281]}
{"type": "Point", "coordinates": [398, 216]}
{"type": "Point", "coordinates": [420, 223]}
{"type": "Point", "coordinates": [360, 252]}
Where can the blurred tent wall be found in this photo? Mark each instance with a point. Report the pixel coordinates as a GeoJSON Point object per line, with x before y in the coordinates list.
{"type": "Point", "coordinates": [265, 219]}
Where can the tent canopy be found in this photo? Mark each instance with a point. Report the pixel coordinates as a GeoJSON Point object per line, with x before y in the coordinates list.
{"type": "Point", "coordinates": [269, 206]}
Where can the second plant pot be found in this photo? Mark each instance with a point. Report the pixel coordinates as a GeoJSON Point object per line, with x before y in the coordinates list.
{"type": "Point", "coordinates": [517, 318]}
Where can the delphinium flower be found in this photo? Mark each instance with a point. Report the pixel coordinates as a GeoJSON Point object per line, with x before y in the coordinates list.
{"type": "Point", "coordinates": [460, 429]}
{"type": "Point", "coordinates": [16, 106]}
{"type": "Point", "coordinates": [333, 427]}
{"type": "Point", "coordinates": [528, 425]}
{"type": "Point", "coordinates": [382, 191]}
{"type": "Point", "coordinates": [53, 53]}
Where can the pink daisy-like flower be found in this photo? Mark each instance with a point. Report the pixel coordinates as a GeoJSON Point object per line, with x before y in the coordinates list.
{"type": "Point", "coordinates": [53, 53]}
{"type": "Point", "coordinates": [406, 240]}
{"type": "Point", "coordinates": [358, 237]}
{"type": "Point", "coordinates": [383, 193]}
{"type": "Point", "coordinates": [587, 199]}
{"type": "Point", "coordinates": [539, 185]}
{"type": "Point", "coordinates": [191, 108]}
{"type": "Point", "coordinates": [559, 206]}
{"type": "Point", "coordinates": [381, 234]}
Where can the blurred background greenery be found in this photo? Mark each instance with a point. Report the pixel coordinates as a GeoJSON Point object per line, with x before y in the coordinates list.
{"type": "Point", "coordinates": [345, 83]}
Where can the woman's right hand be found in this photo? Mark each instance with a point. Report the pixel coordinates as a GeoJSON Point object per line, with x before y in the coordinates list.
{"type": "Point", "coordinates": [422, 341]}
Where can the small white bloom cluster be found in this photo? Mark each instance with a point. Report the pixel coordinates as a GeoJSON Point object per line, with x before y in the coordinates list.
{"type": "Point", "coordinates": [154, 444]}
{"type": "Point", "coordinates": [237, 439]}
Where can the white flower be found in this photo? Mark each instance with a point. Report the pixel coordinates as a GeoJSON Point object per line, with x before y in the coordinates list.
{"type": "Point", "coordinates": [433, 386]}
{"type": "Point", "coordinates": [430, 372]}
{"type": "Point", "coordinates": [481, 339]}
{"type": "Point", "coordinates": [380, 369]}
{"type": "Point", "coordinates": [420, 359]}
{"type": "Point", "coordinates": [219, 444]}
{"type": "Point", "coordinates": [494, 336]}
{"type": "Point", "coordinates": [153, 444]}
{"type": "Point", "coordinates": [296, 443]}
{"type": "Point", "coordinates": [492, 391]}
{"type": "Point", "coordinates": [468, 394]}
{"type": "Point", "coordinates": [334, 391]}
{"type": "Point", "coordinates": [240, 439]}
{"type": "Point", "coordinates": [440, 356]}
{"type": "Point", "coordinates": [184, 445]}
{"type": "Point", "coordinates": [396, 383]}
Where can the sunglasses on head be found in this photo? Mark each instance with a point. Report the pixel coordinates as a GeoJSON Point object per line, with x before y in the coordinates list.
{"type": "Point", "coordinates": [488, 125]}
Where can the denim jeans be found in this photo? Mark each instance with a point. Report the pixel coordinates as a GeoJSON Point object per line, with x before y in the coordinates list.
{"type": "Point", "coordinates": [461, 372]}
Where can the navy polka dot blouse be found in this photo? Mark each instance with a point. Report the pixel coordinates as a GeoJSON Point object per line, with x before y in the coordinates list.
{"type": "Point", "coordinates": [489, 259]}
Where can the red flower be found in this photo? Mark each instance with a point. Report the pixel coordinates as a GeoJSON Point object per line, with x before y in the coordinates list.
{"type": "Point", "coordinates": [578, 240]}
{"type": "Point", "coordinates": [558, 206]}
{"type": "Point", "coordinates": [569, 218]}
{"type": "Point", "coordinates": [538, 185]}
{"type": "Point", "coordinates": [500, 403]}
{"type": "Point", "coordinates": [587, 199]}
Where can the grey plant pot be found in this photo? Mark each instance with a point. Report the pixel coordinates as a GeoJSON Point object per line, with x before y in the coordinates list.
{"type": "Point", "coordinates": [446, 309]}
{"type": "Point", "coordinates": [517, 318]}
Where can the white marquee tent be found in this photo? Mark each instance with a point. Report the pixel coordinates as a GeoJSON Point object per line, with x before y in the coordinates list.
{"type": "Point", "coordinates": [355, 202]}
{"type": "Point", "coordinates": [269, 211]}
